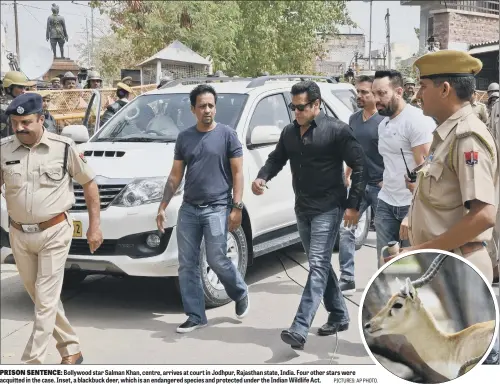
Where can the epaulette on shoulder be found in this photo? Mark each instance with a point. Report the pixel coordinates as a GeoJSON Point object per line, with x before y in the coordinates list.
{"type": "Point", "coordinates": [6, 140]}
{"type": "Point", "coordinates": [466, 129]}
{"type": "Point", "coordinates": [56, 137]}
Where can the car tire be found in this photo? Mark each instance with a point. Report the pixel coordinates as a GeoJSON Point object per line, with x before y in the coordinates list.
{"type": "Point", "coordinates": [215, 294]}
{"type": "Point", "coordinates": [361, 233]}
{"type": "Point", "coordinates": [72, 279]}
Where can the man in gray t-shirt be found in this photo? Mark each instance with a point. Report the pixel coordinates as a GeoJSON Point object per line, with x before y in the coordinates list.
{"type": "Point", "coordinates": [364, 123]}
{"type": "Point", "coordinates": [212, 154]}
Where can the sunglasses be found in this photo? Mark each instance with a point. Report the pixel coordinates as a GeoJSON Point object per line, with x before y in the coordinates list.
{"type": "Point", "coordinates": [300, 107]}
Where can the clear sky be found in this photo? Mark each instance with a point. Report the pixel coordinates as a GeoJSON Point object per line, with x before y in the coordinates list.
{"type": "Point", "coordinates": [403, 20]}
{"type": "Point", "coordinates": [32, 20]}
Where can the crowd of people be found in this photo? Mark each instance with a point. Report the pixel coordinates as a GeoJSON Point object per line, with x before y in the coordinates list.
{"type": "Point", "coordinates": [16, 83]}
{"type": "Point", "coordinates": [451, 205]}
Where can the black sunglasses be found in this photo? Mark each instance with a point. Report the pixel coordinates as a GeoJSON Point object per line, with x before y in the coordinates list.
{"type": "Point", "coordinates": [300, 107]}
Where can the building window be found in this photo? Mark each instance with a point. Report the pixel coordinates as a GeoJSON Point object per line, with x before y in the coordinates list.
{"type": "Point", "coordinates": [430, 27]}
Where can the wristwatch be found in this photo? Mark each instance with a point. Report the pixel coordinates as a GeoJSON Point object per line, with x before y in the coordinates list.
{"type": "Point", "coordinates": [238, 205]}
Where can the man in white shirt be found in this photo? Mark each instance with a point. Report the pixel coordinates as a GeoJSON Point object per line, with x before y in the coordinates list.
{"type": "Point", "coordinates": [406, 129]}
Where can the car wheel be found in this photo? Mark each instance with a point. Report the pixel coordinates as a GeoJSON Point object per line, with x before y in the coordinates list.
{"type": "Point", "coordinates": [73, 278]}
{"type": "Point", "coordinates": [361, 232]}
{"type": "Point", "coordinates": [237, 251]}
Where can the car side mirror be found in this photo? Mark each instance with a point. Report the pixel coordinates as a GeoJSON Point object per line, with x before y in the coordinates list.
{"type": "Point", "coordinates": [265, 135]}
{"type": "Point", "coordinates": [79, 133]}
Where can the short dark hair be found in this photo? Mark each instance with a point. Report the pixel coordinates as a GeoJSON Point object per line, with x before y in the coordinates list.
{"type": "Point", "coordinates": [394, 76]}
{"type": "Point", "coordinates": [464, 86]}
{"type": "Point", "coordinates": [309, 87]}
{"type": "Point", "coordinates": [364, 79]}
{"type": "Point", "coordinates": [200, 90]}
{"type": "Point", "coordinates": [121, 93]}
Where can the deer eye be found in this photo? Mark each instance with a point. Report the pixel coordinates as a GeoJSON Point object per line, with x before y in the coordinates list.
{"type": "Point", "coordinates": [397, 305]}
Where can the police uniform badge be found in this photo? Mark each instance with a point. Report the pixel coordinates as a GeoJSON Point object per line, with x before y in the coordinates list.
{"type": "Point", "coordinates": [20, 110]}
{"type": "Point", "coordinates": [471, 158]}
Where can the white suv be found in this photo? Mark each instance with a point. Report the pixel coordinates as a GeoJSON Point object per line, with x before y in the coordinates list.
{"type": "Point", "coordinates": [132, 155]}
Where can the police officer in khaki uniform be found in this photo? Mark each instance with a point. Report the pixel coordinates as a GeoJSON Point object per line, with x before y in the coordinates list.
{"type": "Point", "coordinates": [37, 168]}
{"type": "Point", "coordinates": [456, 194]}
{"type": "Point", "coordinates": [479, 108]}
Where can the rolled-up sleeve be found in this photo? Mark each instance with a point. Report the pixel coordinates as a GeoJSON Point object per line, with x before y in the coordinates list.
{"type": "Point", "coordinates": [276, 160]}
{"type": "Point", "coordinates": [354, 157]}
{"type": "Point", "coordinates": [78, 167]}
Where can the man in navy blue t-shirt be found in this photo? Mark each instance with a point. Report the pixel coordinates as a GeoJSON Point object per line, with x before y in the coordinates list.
{"type": "Point", "coordinates": [213, 156]}
{"type": "Point", "coordinates": [364, 124]}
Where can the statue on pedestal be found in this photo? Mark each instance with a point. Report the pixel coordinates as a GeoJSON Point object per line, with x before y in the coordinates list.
{"type": "Point", "coordinates": [56, 30]}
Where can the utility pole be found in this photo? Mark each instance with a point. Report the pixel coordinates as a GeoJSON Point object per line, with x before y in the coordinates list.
{"type": "Point", "coordinates": [17, 34]}
{"type": "Point", "coordinates": [92, 31]}
{"type": "Point", "coordinates": [88, 45]}
{"type": "Point", "coordinates": [370, 42]}
{"type": "Point", "coordinates": [388, 35]}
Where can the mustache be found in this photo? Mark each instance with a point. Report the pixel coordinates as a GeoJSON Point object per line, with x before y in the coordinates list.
{"type": "Point", "coordinates": [22, 133]}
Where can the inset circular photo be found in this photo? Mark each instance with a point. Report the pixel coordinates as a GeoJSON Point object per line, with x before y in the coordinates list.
{"type": "Point", "coordinates": [429, 317]}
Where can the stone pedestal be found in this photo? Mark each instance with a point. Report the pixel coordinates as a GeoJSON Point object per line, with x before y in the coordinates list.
{"type": "Point", "coordinates": [60, 67]}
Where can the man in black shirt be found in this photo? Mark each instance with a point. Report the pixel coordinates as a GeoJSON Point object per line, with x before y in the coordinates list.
{"type": "Point", "coordinates": [317, 145]}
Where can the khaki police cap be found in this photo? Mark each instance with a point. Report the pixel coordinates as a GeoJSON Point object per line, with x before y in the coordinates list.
{"type": "Point", "coordinates": [124, 87]}
{"type": "Point", "coordinates": [55, 79]}
{"type": "Point", "coordinates": [449, 63]}
{"type": "Point", "coordinates": [127, 78]}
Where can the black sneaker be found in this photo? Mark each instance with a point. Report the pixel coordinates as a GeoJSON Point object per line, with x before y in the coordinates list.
{"type": "Point", "coordinates": [189, 326]}
{"type": "Point", "coordinates": [347, 287]}
{"type": "Point", "coordinates": [332, 329]}
{"type": "Point", "coordinates": [293, 339]}
{"type": "Point", "coordinates": [242, 307]}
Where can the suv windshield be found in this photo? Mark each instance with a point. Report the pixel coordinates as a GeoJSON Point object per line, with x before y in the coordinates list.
{"type": "Point", "coordinates": [348, 98]}
{"type": "Point", "coordinates": [162, 117]}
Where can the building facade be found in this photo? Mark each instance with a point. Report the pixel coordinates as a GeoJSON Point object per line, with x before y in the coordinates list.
{"type": "Point", "coordinates": [457, 24]}
{"type": "Point", "coordinates": [340, 53]}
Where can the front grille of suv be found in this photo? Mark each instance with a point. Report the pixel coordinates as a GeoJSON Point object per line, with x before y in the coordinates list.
{"type": "Point", "coordinates": [107, 193]}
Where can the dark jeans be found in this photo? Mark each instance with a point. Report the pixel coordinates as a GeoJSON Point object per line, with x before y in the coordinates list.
{"type": "Point", "coordinates": [388, 220]}
{"type": "Point", "coordinates": [347, 246]}
{"type": "Point", "coordinates": [210, 223]}
{"type": "Point", "coordinates": [318, 234]}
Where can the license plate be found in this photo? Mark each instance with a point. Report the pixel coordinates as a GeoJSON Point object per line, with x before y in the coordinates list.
{"type": "Point", "coordinates": [77, 229]}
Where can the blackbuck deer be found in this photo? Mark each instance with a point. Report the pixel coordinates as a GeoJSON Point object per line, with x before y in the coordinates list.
{"type": "Point", "coordinates": [450, 354]}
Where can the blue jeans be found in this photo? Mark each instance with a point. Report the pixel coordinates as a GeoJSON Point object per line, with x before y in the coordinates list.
{"type": "Point", "coordinates": [318, 234]}
{"type": "Point", "coordinates": [210, 223]}
{"type": "Point", "coordinates": [388, 220]}
{"type": "Point", "coordinates": [347, 246]}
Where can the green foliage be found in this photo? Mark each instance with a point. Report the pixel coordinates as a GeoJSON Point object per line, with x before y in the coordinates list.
{"type": "Point", "coordinates": [243, 38]}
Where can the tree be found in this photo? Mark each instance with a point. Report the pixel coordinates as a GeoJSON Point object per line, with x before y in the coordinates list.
{"type": "Point", "coordinates": [242, 37]}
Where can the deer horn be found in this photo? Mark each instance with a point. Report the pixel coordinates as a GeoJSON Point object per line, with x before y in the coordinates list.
{"type": "Point", "coordinates": [431, 271]}
{"type": "Point", "coordinates": [429, 274]}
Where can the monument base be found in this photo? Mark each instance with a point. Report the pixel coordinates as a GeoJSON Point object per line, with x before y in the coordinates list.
{"type": "Point", "coordinates": [60, 66]}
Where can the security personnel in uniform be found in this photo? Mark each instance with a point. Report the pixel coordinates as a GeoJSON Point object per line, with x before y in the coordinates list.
{"type": "Point", "coordinates": [128, 80]}
{"type": "Point", "coordinates": [37, 168]}
{"type": "Point", "coordinates": [479, 108]}
{"type": "Point", "coordinates": [15, 84]}
{"type": "Point", "coordinates": [123, 92]}
{"type": "Point", "coordinates": [409, 91]}
{"type": "Point", "coordinates": [456, 194]}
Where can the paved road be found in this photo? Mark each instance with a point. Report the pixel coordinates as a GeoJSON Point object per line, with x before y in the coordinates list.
{"type": "Point", "coordinates": [133, 320]}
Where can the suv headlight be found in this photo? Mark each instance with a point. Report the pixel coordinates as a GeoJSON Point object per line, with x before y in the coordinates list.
{"type": "Point", "coordinates": [144, 191]}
